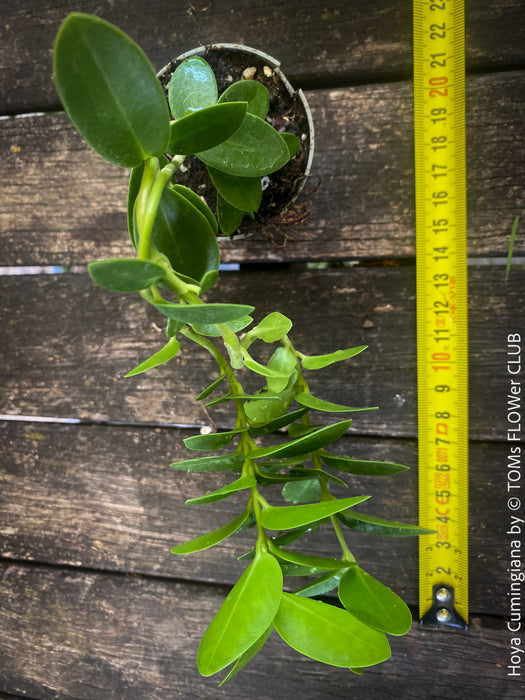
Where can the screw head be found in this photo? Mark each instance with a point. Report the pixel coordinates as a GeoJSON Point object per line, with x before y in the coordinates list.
{"type": "Point", "coordinates": [443, 615]}
{"type": "Point", "coordinates": [443, 595]}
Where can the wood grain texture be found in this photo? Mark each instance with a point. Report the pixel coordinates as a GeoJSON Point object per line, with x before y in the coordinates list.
{"type": "Point", "coordinates": [315, 42]}
{"type": "Point", "coordinates": [84, 635]}
{"type": "Point", "coordinates": [104, 498]}
{"type": "Point", "coordinates": [61, 204]}
{"type": "Point", "coordinates": [67, 344]}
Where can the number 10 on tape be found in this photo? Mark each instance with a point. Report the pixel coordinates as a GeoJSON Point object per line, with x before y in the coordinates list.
{"type": "Point", "coordinates": [439, 122]}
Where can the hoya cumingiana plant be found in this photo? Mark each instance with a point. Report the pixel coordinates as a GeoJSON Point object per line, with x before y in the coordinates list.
{"type": "Point", "coordinates": [113, 97]}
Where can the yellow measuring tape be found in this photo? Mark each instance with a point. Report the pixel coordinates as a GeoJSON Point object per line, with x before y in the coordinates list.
{"type": "Point", "coordinates": [439, 116]}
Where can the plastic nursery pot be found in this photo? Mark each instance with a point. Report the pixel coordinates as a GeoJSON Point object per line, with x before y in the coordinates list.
{"type": "Point", "coordinates": [289, 111]}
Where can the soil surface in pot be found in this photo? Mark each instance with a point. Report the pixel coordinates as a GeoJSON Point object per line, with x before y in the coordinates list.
{"type": "Point", "coordinates": [286, 113]}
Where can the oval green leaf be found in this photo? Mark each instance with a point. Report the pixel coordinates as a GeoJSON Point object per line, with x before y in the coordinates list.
{"type": "Point", "coordinates": [306, 444]}
{"type": "Point", "coordinates": [321, 361]}
{"type": "Point", "coordinates": [230, 218]}
{"type": "Point", "coordinates": [309, 561]}
{"type": "Point", "coordinates": [166, 353]}
{"type": "Point", "coordinates": [192, 86]}
{"type": "Point", "coordinates": [243, 193]}
{"type": "Point", "coordinates": [250, 91]}
{"type": "Point", "coordinates": [243, 482]}
{"type": "Point", "coordinates": [287, 517]}
{"type": "Point", "coordinates": [104, 80]}
{"type": "Point", "coordinates": [244, 616]}
{"type": "Point", "coordinates": [211, 441]}
{"type": "Point", "coordinates": [292, 143]}
{"type": "Point", "coordinates": [271, 329]}
{"type": "Point", "coordinates": [371, 525]}
{"type": "Point", "coordinates": [256, 149]}
{"type": "Point", "coordinates": [215, 463]}
{"type": "Point", "coordinates": [206, 128]}
{"type": "Point", "coordinates": [364, 467]}
{"type": "Point", "coordinates": [284, 362]}
{"type": "Point", "coordinates": [203, 313]}
{"type": "Point", "coordinates": [373, 603]}
{"type": "Point", "coordinates": [322, 585]}
{"type": "Point", "coordinates": [210, 539]}
{"type": "Point", "coordinates": [329, 634]}
{"type": "Point", "coordinates": [247, 656]}
{"type": "Point", "coordinates": [304, 398]}
{"type": "Point", "coordinates": [210, 329]}
{"type": "Point", "coordinates": [184, 235]}
{"type": "Point", "coordinates": [125, 274]}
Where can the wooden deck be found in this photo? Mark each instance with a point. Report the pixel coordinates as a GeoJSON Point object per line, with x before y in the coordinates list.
{"type": "Point", "coordinates": [92, 604]}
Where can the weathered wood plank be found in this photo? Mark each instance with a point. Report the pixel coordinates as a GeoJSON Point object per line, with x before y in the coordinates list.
{"type": "Point", "coordinates": [71, 634]}
{"type": "Point", "coordinates": [62, 204]}
{"type": "Point", "coordinates": [316, 44]}
{"type": "Point", "coordinates": [105, 498]}
{"type": "Point", "coordinates": [67, 344]}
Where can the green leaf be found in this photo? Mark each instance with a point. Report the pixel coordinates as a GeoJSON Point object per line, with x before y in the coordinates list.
{"type": "Point", "coordinates": [306, 444]}
{"type": "Point", "coordinates": [203, 313]}
{"type": "Point", "coordinates": [267, 406]}
{"type": "Point", "coordinates": [211, 441]}
{"type": "Point", "coordinates": [264, 370]}
{"type": "Point", "coordinates": [184, 235]}
{"type": "Point", "coordinates": [322, 585]}
{"type": "Point", "coordinates": [292, 143]}
{"type": "Point", "coordinates": [192, 87]}
{"type": "Point", "coordinates": [173, 327]}
{"type": "Point", "coordinates": [198, 203]}
{"type": "Point", "coordinates": [373, 603]}
{"type": "Point", "coordinates": [104, 80]}
{"type": "Point", "coordinates": [210, 539]}
{"type": "Point", "coordinates": [211, 388]}
{"type": "Point", "coordinates": [230, 218]}
{"type": "Point", "coordinates": [254, 150]}
{"type": "Point", "coordinates": [304, 398]}
{"type": "Point", "coordinates": [125, 274]}
{"type": "Point", "coordinates": [284, 362]}
{"type": "Point", "coordinates": [364, 467]}
{"type": "Point", "coordinates": [215, 463]}
{"type": "Point", "coordinates": [286, 538]}
{"type": "Point", "coordinates": [247, 656]}
{"type": "Point", "coordinates": [310, 473]}
{"type": "Point", "coordinates": [322, 563]}
{"type": "Point", "coordinates": [243, 193]}
{"type": "Point", "coordinates": [244, 616]}
{"type": "Point", "coordinates": [206, 128]}
{"type": "Point", "coordinates": [303, 491]}
{"type": "Point", "coordinates": [329, 634]}
{"type": "Point", "coordinates": [371, 525]}
{"type": "Point", "coordinates": [271, 329]}
{"type": "Point", "coordinates": [230, 396]}
{"type": "Point", "coordinates": [210, 329]}
{"type": "Point", "coordinates": [243, 482]}
{"type": "Point", "coordinates": [250, 91]}
{"type": "Point", "coordinates": [286, 517]}
{"type": "Point", "coordinates": [321, 361]}
{"type": "Point", "coordinates": [278, 423]}
{"type": "Point", "coordinates": [166, 353]}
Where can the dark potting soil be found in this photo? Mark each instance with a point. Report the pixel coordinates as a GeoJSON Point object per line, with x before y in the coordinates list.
{"type": "Point", "coordinates": [286, 113]}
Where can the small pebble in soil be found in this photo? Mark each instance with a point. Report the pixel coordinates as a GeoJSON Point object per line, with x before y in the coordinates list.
{"type": "Point", "coordinates": [249, 73]}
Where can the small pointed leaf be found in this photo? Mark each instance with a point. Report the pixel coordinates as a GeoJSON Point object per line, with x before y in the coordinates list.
{"type": "Point", "coordinates": [304, 398]}
{"type": "Point", "coordinates": [278, 423]}
{"type": "Point", "coordinates": [286, 517]}
{"type": "Point", "coordinates": [198, 203]}
{"type": "Point", "coordinates": [329, 634]}
{"type": "Point", "coordinates": [166, 353]}
{"type": "Point", "coordinates": [210, 539]}
{"type": "Point", "coordinates": [210, 329]}
{"type": "Point", "coordinates": [244, 616]}
{"type": "Point", "coordinates": [292, 143]}
{"type": "Point", "coordinates": [247, 656]}
{"type": "Point", "coordinates": [211, 441]}
{"type": "Point", "coordinates": [308, 443]}
{"type": "Point", "coordinates": [306, 560]}
{"type": "Point", "coordinates": [373, 603]}
{"type": "Point", "coordinates": [322, 585]}
{"type": "Point", "coordinates": [361, 466]}
{"type": "Point", "coordinates": [243, 482]}
{"type": "Point", "coordinates": [371, 525]}
{"type": "Point", "coordinates": [211, 388]}
{"type": "Point", "coordinates": [215, 463]}
{"type": "Point", "coordinates": [321, 361]}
